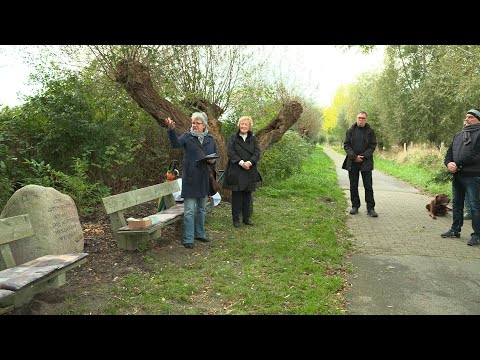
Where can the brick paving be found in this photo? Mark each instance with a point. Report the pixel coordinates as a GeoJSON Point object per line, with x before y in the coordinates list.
{"type": "Point", "coordinates": [402, 266]}
{"type": "Point", "coordinates": [403, 226]}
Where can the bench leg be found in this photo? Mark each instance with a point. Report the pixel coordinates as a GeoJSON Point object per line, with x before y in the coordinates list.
{"type": "Point", "coordinates": [122, 242]}
{"type": "Point", "coordinates": [57, 281]}
{"type": "Point", "coordinates": [132, 241]}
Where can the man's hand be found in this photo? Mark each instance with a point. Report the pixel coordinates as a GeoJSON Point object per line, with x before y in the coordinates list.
{"type": "Point", "coordinates": [452, 167]}
{"type": "Point", "coordinates": [359, 158]}
{"type": "Point", "coordinates": [170, 123]}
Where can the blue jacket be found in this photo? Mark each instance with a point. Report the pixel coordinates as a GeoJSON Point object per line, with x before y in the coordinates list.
{"type": "Point", "coordinates": [195, 174]}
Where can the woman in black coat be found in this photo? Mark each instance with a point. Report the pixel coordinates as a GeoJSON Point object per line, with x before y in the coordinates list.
{"type": "Point", "coordinates": [242, 175]}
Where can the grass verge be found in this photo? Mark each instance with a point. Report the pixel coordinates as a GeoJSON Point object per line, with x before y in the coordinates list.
{"type": "Point", "coordinates": [290, 262]}
{"type": "Point", "coordinates": [415, 175]}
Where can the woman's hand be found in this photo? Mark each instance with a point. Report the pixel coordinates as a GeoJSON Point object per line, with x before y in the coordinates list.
{"type": "Point", "coordinates": [170, 123]}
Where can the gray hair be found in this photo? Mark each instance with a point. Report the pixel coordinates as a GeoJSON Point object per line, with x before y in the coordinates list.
{"type": "Point", "coordinates": [202, 116]}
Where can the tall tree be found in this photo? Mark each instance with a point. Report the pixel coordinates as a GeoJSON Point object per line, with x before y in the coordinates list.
{"type": "Point", "coordinates": [188, 79]}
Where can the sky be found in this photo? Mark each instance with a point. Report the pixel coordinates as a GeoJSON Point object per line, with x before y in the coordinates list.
{"type": "Point", "coordinates": [320, 69]}
{"type": "Point", "coordinates": [13, 75]}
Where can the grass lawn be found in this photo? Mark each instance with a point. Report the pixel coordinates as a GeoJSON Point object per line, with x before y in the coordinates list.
{"type": "Point", "coordinates": [291, 262]}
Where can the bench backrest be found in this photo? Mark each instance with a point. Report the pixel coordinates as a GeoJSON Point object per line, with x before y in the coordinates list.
{"type": "Point", "coordinates": [126, 200]}
{"type": "Point", "coordinates": [115, 204]}
{"type": "Point", "coordinates": [11, 229]}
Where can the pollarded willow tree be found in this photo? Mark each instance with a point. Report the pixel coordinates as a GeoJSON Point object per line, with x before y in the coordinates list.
{"type": "Point", "coordinates": [174, 81]}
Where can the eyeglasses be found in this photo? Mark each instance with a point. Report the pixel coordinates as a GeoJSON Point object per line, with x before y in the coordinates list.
{"type": "Point", "coordinates": [197, 123]}
{"type": "Point", "coordinates": [361, 117]}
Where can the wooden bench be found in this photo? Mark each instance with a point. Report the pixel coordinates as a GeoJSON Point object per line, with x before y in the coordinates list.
{"type": "Point", "coordinates": [115, 206]}
{"type": "Point", "coordinates": [20, 283]}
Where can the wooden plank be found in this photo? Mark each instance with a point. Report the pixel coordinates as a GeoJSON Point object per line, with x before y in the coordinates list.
{"type": "Point", "coordinates": [118, 220]}
{"type": "Point", "coordinates": [22, 275]}
{"type": "Point", "coordinates": [6, 257]}
{"type": "Point", "coordinates": [164, 217]}
{"type": "Point", "coordinates": [176, 209]}
{"type": "Point", "coordinates": [52, 281]}
{"type": "Point", "coordinates": [146, 230]}
{"type": "Point", "coordinates": [169, 200]}
{"type": "Point", "coordinates": [123, 201]}
{"type": "Point", "coordinates": [14, 228]}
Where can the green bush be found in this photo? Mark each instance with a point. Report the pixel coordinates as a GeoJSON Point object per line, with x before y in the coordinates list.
{"type": "Point", "coordinates": [284, 158]}
{"type": "Point", "coordinates": [87, 196]}
{"type": "Point", "coordinates": [6, 190]}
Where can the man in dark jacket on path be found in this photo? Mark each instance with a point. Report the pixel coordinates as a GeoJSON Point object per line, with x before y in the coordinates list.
{"type": "Point", "coordinates": [463, 160]}
{"type": "Point", "coordinates": [360, 143]}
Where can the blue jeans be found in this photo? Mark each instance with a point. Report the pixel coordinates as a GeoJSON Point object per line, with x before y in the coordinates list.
{"type": "Point", "coordinates": [469, 186]}
{"type": "Point", "coordinates": [194, 219]}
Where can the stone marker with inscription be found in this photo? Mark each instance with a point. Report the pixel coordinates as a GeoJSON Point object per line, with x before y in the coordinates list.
{"type": "Point", "coordinates": [55, 223]}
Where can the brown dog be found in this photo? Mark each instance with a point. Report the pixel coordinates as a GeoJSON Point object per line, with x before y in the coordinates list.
{"type": "Point", "coordinates": [438, 206]}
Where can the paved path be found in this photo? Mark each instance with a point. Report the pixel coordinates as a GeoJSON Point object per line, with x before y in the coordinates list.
{"type": "Point", "coordinates": [402, 265]}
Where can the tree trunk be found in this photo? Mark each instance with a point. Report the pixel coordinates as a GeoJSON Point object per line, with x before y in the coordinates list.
{"type": "Point", "coordinates": [136, 80]}
{"type": "Point", "coordinates": [274, 131]}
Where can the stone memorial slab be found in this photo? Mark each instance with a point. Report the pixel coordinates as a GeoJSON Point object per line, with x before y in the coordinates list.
{"type": "Point", "coordinates": [54, 219]}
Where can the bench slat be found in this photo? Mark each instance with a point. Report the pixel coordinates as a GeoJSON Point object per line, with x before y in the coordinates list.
{"type": "Point", "coordinates": [164, 217]}
{"type": "Point", "coordinates": [14, 228]}
{"type": "Point", "coordinates": [19, 276]}
{"type": "Point", "coordinates": [123, 201]}
{"type": "Point", "coordinates": [6, 257]}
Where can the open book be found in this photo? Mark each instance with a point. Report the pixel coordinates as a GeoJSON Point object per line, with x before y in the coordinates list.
{"type": "Point", "coordinates": [210, 157]}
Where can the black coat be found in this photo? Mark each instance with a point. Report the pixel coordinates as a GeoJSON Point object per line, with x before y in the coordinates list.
{"type": "Point", "coordinates": [370, 145]}
{"type": "Point", "coordinates": [236, 177]}
{"type": "Point", "coordinates": [195, 174]}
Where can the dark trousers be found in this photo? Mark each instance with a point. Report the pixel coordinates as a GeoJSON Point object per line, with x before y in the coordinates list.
{"type": "Point", "coordinates": [466, 186]}
{"type": "Point", "coordinates": [241, 203]}
{"type": "Point", "coordinates": [354, 175]}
